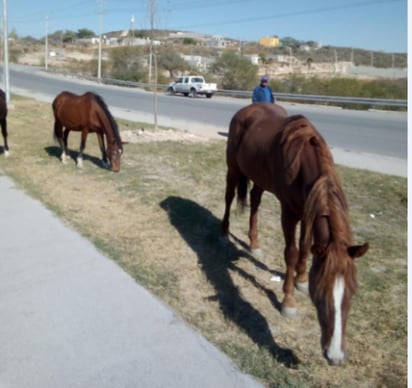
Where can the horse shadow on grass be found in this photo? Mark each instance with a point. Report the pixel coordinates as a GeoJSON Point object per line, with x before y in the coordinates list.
{"type": "Point", "coordinates": [55, 151]}
{"type": "Point", "coordinates": [201, 230]}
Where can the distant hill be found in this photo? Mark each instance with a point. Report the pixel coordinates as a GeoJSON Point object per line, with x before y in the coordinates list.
{"type": "Point", "coordinates": [195, 43]}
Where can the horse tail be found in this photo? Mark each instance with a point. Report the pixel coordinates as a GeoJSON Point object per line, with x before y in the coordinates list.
{"type": "Point", "coordinates": [237, 128]}
{"type": "Point", "coordinates": [56, 135]}
{"type": "Point", "coordinates": [241, 190]}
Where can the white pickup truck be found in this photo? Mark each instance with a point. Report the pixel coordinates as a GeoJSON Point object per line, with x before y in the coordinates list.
{"type": "Point", "coordinates": [193, 85]}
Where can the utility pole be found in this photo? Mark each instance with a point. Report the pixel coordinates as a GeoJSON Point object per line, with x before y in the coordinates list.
{"type": "Point", "coordinates": [6, 54]}
{"type": "Point", "coordinates": [153, 60]}
{"type": "Point", "coordinates": [290, 56]}
{"type": "Point", "coordinates": [46, 44]}
{"type": "Point", "coordinates": [336, 61]}
{"type": "Point", "coordinates": [393, 65]}
{"type": "Point", "coordinates": [132, 30]}
{"type": "Point", "coordinates": [99, 61]}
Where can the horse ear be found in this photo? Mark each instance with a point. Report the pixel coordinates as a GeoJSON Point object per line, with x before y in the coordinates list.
{"type": "Point", "coordinates": [318, 250]}
{"type": "Point", "coordinates": [358, 250]}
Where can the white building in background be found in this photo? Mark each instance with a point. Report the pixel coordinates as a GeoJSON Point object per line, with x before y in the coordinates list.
{"type": "Point", "coordinates": [254, 58]}
{"type": "Point", "coordinates": [217, 41]}
{"type": "Point", "coordinates": [197, 61]}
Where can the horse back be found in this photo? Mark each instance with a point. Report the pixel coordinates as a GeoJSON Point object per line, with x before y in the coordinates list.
{"type": "Point", "coordinates": [279, 153]}
{"type": "Point", "coordinates": [72, 110]}
{"type": "Point", "coordinates": [252, 132]}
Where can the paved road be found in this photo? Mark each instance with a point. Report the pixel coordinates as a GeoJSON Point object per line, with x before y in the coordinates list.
{"type": "Point", "coordinates": [70, 317]}
{"type": "Point", "coordinates": [372, 132]}
{"type": "Point", "coordinates": [378, 144]}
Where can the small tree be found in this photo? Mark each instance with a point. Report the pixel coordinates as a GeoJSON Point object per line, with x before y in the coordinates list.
{"type": "Point", "coordinates": [170, 60]}
{"type": "Point", "coordinates": [68, 36]}
{"type": "Point", "coordinates": [263, 58]}
{"type": "Point", "coordinates": [83, 33]}
{"type": "Point", "coordinates": [235, 72]}
{"type": "Point", "coordinates": [127, 64]}
{"type": "Point", "coordinates": [189, 41]}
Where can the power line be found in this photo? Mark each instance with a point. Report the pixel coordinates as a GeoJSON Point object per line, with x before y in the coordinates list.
{"type": "Point", "coordinates": [293, 13]}
{"type": "Point", "coordinates": [71, 12]}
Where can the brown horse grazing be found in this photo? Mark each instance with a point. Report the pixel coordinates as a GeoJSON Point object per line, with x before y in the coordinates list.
{"type": "Point", "coordinates": [289, 158]}
{"type": "Point", "coordinates": [3, 121]}
{"type": "Point", "coordinates": [87, 113]}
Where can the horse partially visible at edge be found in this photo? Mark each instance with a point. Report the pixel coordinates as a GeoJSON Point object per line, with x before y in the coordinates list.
{"type": "Point", "coordinates": [87, 113]}
{"type": "Point", "coordinates": [288, 157]}
{"type": "Point", "coordinates": [3, 121]}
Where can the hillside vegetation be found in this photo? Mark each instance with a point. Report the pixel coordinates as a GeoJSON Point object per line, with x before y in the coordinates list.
{"type": "Point", "coordinates": [303, 72]}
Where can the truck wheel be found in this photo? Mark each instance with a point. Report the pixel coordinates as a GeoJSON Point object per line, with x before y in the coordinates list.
{"type": "Point", "coordinates": [209, 95]}
{"type": "Point", "coordinates": [193, 92]}
{"type": "Point", "coordinates": [171, 91]}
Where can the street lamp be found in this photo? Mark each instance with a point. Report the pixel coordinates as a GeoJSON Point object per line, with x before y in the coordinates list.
{"type": "Point", "coordinates": [290, 56]}
{"type": "Point", "coordinates": [46, 45]}
{"type": "Point", "coordinates": [99, 60]}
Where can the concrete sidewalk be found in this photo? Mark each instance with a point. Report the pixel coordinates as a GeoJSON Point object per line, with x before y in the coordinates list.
{"type": "Point", "coordinates": [70, 317]}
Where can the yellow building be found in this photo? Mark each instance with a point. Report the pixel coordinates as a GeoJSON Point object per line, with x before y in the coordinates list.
{"type": "Point", "coordinates": [269, 41]}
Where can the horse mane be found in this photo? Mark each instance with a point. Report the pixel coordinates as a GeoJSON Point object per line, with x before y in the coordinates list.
{"type": "Point", "coordinates": [296, 134]}
{"type": "Point", "coordinates": [112, 121]}
{"type": "Point", "coordinates": [325, 199]}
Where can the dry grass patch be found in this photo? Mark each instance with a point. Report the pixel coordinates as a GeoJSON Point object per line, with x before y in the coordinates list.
{"type": "Point", "coordinates": [159, 218]}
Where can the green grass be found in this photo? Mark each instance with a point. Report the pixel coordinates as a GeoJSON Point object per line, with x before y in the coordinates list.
{"type": "Point", "coordinates": [159, 219]}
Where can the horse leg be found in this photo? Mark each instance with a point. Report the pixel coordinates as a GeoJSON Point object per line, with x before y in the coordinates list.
{"type": "Point", "coordinates": [232, 178]}
{"type": "Point", "coordinates": [64, 144]}
{"type": "Point", "coordinates": [58, 135]}
{"type": "Point", "coordinates": [255, 199]}
{"type": "Point", "coordinates": [3, 124]}
{"type": "Point", "coordinates": [301, 280]}
{"type": "Point", "coordinates": [289, 223]}
{"type": "Point", "coordinates": [100, 138]}
{"type": "Point", "coordinates": [82, 147]}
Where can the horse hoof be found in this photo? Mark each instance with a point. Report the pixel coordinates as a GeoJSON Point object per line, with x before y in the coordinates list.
{"type": "Point", "coordinates": [336, 359]}
{"type": "Point", "coordinates": [302, 287]}
{"type": "Point", "coordinates": [256, 252]}
{"type": "Point", "coordinates": [79, 163]}
{"type": "Point", "coordinates": [6, 154]}
{"type": "Point", "coordinates": [289, 312]}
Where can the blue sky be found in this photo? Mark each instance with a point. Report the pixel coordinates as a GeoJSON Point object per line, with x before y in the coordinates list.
{"type": "Point", "coordinates": [369, 24]}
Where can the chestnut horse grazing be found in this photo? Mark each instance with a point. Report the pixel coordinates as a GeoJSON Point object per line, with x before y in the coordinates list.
{"type": "Point", "coordinates": [289, 158]}
{"type": "Point", "coordinates": [87, 113]}
{"type": "Point", "coordinates": [3, 121]}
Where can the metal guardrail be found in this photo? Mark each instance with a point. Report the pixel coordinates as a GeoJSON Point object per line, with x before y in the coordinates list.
{"type": "Point", "coordinates": [279, 96]}
{"type": "Point", "coordinates": [323, 99]}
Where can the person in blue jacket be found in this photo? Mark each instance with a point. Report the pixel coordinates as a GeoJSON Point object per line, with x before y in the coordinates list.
{"type": "Point", "coordinates": [263, 92]}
